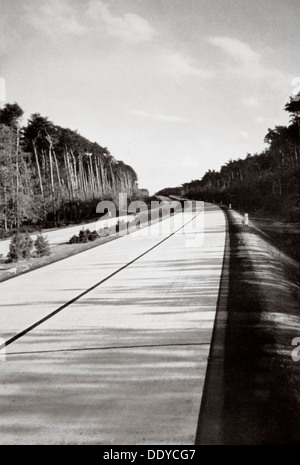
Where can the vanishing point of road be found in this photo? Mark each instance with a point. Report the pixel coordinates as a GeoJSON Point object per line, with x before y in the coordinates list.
{"type": "Point", "coordinates": [110, 346]}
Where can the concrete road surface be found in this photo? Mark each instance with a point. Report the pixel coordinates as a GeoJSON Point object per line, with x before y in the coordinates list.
{"type": "Point", "coordinates": [124, 363]}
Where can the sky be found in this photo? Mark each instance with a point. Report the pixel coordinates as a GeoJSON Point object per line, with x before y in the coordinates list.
{"type": "Point", "coordinates": [171, 87]}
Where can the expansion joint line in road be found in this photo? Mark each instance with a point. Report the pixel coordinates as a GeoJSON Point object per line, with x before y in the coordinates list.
{"type": "Point", "coordinates": [70, 302]}
{"type": "Point", "coordinates": [89, 349]}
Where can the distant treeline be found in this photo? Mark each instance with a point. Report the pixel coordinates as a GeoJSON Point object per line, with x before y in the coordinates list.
{"type": "Point", "coordinates": [170, 191]}
{"type": "Point", "coordinates": [50, 174]}
{"type": "Point", "coordinates": [268, 181]}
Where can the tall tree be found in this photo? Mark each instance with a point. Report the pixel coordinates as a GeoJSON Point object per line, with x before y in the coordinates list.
{"type": "Point", "coordinates": [293, 107]}
{"type": "Point", "coordinates": [10, 114]}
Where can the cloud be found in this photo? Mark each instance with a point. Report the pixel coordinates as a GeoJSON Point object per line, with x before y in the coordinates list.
{"type": "Point", "coordinates": [251, 102]}
{"type": "Point", "coordinates": [54, 17]}
{"type": "Point", "coordinates": [249, 64]}
{"type": "Point", "coordinates": [247, 61]}
{"type": "Point", "coordinates": [238, 50]}
{"type": "Point", "coordinates": [169, 119]}
{"type": "Point", "coordinates": [260, 120]}
{"type": "Point", "coordinates": [129, 26]}
{"type": "Point", "coordinates": [179, 65]}
{"type": "Point", "coordinates": [244, 134]}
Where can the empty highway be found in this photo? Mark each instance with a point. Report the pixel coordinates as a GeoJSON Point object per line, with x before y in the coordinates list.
{"type": "Point", "coordinates": [110, 346]}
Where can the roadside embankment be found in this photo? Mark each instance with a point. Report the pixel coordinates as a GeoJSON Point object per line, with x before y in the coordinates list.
{"type": "Point", "coordinates": [252, 389]}
{"type": "Point", "coordinates": [285, 235]}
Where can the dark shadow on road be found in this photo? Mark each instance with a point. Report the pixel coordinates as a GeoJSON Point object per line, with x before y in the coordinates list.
{"type": "Point", "coordinates": [251, 393]}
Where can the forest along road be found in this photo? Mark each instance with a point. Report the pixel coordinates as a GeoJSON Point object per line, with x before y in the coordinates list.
{"type": "Point", "coordinates": [124, 363]}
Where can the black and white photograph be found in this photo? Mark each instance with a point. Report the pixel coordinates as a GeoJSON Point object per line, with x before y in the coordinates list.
{"type": "Point", "coordinates": [149, 225]}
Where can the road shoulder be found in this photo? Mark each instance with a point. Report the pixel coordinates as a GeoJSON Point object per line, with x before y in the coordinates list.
{"type": "Point", "coordinates": [260, 400]}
